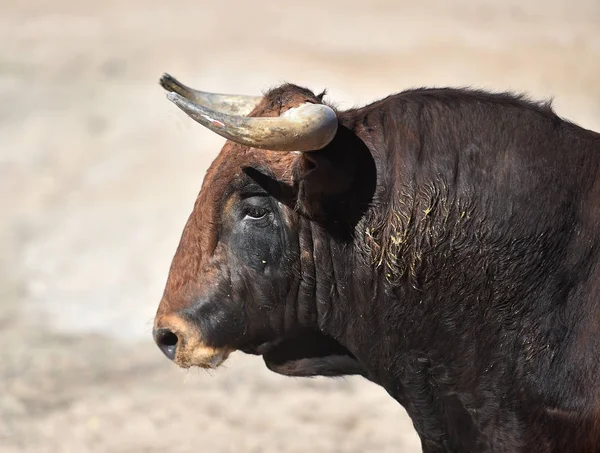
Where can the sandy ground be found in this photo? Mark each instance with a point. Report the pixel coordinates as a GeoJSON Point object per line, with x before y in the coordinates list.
{"type": "Point", "coordinates": [98, 173]}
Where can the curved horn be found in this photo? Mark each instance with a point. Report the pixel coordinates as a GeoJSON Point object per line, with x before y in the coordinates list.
{"type": "Point", "coordinates": [308, 127]}
{"type": "Point", "coordinates": [227, 103]}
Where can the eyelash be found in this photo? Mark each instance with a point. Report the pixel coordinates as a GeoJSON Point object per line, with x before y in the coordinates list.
{"type": "Point", "coordinates": [255, 213]}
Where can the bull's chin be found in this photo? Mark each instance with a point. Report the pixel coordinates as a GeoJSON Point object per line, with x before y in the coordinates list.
{"type": "Point", "coordinates": [309, 354]}
{"type": "Point", "coordinates": [329, 366]}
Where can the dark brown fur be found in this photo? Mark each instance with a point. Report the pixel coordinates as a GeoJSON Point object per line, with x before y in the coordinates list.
{"type": "Point", "coordinates": [445, 245]}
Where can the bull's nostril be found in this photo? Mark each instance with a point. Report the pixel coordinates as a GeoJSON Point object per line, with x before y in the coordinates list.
{"type": "Point", "coordinates": [167, 342]}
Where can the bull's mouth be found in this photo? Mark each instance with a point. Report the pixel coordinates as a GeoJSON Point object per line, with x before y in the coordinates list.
{"type": "Point", "coordinates": [202, 356]}
{"type": "Point", "coordinates": [194, 352]}
{"type": "Point", "coordinates": [306, 354]}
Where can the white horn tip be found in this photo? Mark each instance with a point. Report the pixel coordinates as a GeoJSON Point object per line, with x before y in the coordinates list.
{"type": "Point", "coordinates": [172, 96]}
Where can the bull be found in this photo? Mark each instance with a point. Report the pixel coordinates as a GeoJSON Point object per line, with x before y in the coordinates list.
{"type": "Point", "coordinates": [442, 243]}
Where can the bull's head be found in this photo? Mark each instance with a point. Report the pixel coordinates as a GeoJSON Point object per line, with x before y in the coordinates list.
{"type": "Point", "coordinates": [268, 247]}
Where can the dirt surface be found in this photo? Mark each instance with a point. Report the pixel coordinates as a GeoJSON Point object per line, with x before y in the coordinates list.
{"type": "Point", "coordinates": [98, 172]}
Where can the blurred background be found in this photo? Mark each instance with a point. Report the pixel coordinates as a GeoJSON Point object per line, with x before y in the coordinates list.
{"type": "Point", "coordinates": [98, 173]}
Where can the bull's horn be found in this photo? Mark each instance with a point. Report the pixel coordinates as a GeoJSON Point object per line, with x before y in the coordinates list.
{"type": "Point", "coordinates": [308, 127]}
{"type": "Point", "coordinates": [227, 103]}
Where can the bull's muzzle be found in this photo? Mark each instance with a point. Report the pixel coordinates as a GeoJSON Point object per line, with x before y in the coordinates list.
{"type": "Point", "coordinates": [182, 342]}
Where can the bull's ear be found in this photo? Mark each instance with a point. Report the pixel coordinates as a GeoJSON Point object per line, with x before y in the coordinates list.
{"type": "Point", "coordinates": [344, 169]}
{"type": "Point", "coordinates": [328, 172]}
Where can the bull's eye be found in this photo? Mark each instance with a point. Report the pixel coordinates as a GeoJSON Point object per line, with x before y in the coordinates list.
{"type": "Point", "coordinates": [255, 212]}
